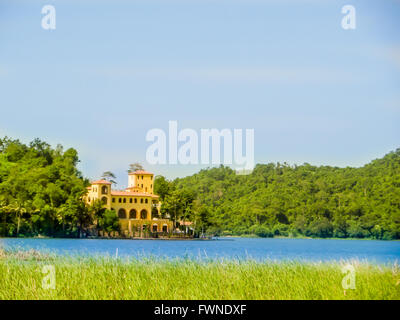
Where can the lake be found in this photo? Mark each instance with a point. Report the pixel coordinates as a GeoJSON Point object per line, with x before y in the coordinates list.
{"type": "Point", "coordinates": [231, 248]}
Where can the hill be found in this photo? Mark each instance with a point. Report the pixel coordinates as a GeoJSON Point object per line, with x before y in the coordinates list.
{"type": "Point", "coordinates": [300, 200]}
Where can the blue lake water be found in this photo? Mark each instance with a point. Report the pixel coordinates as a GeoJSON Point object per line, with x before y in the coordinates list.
{"type": "Point", "coordinates": [231, 248]}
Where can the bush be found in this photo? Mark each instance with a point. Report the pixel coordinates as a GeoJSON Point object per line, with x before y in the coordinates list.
{"type": "Point", "coordinates": [263, 232]}
{"type": "Point", "coordinates": [321, 228]}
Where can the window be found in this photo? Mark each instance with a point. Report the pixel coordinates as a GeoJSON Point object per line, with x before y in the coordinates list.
{"type": "Point", "coordinates": [104, 190]}
{"type": "Point", "coordinates": [132, 214]}
{"type": "Point", "coordinates": [141, 200]}
{"type": "Point", "coordinates": [145, 201]}
{"type": "Point", "coordinates": [165, 228]}
{"type": "Point", "coordinates": [155, 227]}
{"type": "Point", "coordinates": [135, 200]}
{"type": "Point", "coordinates": [119, 200]}
{"type": "Point", "coordinates": [113, 200]}
{"type": "Point", "coordinates": [104, 200]}
{"type": "Point", "coordinates": [130, 200]}
{"type": "Point", "coordinates": [124, 200]}
{"type": "Point", "coordinates": [143, 214]}
{"type": "Point", "coordinates": [122, 213]}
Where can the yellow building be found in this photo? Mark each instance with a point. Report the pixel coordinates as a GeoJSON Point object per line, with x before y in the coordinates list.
{"type": "Point", "coordinates": [137, 207]}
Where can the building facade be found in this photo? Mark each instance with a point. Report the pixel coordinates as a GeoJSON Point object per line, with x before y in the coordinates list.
{"type": "Point", "coordinates": [137, 207]}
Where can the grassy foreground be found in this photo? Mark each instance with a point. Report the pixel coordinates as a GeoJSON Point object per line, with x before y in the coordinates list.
{"type": "Point", "coordinates": [111, 278]}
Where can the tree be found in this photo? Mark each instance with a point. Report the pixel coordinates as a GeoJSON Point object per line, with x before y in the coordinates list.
{"type": "Point", "coordinates": [40, 189]}
{"type": "Point", "coordinates": [97, 211]}
{"type": "Point", "coordinates": [135, 167]}
{"type": "Point", "coordinates": [109, 222]}
{"type": "Point", "coordinates": [162, 187]}
{"type": "Point", "coordinates": [109, 176]}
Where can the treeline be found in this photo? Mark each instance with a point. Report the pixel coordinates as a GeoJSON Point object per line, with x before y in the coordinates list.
{"type": "Point", "coordinates": [283, 200]}
{"type": "Point", "coordinates": [41, 191]}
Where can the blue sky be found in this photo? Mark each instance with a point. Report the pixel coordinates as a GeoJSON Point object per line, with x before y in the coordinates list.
{"type": "Point", "coordinates": [112, 70]}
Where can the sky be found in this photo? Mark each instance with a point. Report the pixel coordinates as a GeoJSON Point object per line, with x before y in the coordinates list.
{"type": "Point", "coordinates": [113, 70]}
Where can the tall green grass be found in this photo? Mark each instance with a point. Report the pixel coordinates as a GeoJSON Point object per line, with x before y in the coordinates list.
{"type": "Point", "coordinates": [117, 278]}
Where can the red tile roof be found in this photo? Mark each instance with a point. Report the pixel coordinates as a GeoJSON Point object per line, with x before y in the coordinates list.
{"type": "Point", "coordinates": [140, 172]}
{"type": "Point", "coordinates": [101, 182]}
{"type": "Point", "coordinates": [135, 194]}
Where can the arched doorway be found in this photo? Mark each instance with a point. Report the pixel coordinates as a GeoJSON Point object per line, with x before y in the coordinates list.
{"type": "Point", "coordinates": [122, 213]}
{"type": "Point", "coordinates": [143, 214]}
{"type": "Point", "coordinates": [154, 228]}
{"type": "Point", "coordinates": [132, 214]}
{"type": "Point", "coordinates": [104, 200]}
{"type": "Point", "coordinates": [165, 228]}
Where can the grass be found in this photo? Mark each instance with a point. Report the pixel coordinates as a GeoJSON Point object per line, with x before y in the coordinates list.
{"type": "Point", "coordinates": [118, 278]}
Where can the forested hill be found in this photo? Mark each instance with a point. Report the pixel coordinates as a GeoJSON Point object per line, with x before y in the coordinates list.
{"type": "Point", "coordinates": [41, 191]}
{"type": "Point", "coordinates": [304, 200]}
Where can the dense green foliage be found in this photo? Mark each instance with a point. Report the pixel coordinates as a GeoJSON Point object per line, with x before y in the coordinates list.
{"type": "Point", "coordinates": [283, 200]}
{"type": "Point", "coordinates": [41, 191]}
{"type": "Point", "coordinates": [21, 277]}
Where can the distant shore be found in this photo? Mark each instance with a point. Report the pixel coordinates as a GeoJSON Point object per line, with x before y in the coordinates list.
{"type": "Point", "coordinates": [252, 236]}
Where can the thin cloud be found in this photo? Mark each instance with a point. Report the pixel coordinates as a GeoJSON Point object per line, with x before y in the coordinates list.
{"type": "Point", "coordinates": [394, 56]}
{"type": "Point", "coordinates": [233, 74]}
{"type": "Point", "coordinates": [389, 54]}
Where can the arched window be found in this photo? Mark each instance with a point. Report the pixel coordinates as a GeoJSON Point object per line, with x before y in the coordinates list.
{"type": "Point", "coordinates": [135, 200]}
{"type": "Point", "coordinates": [130, 200]}
{"type": "Point", "coordinates": [143, 214]}
{"type": "Point", "coordinates": [165, 228]}
{"type": "Point", "coordinates": [122, 213]}
{"type": "Point", "coordinates": [124, 200]}
{"type": "Point", "coordinates": [104, 200]}
{"type": "Point", "coordinates": [104, 190]}
{"type": "Point", "coordinates": [141, 200]}
{"type": "Point", "coordinates": [132, 214]}
{"type": "Point", "coordinates": [145, 200]}
{"type": "Point", "coordinates": [155, 228]}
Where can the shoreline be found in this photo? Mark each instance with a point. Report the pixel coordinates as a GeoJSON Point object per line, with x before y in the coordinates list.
{"type": "Point", "coordinates": [200, 239]}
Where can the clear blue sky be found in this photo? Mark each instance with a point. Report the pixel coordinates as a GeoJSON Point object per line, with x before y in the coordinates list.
{"type": "Point", "coordinates": [112, 70]}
